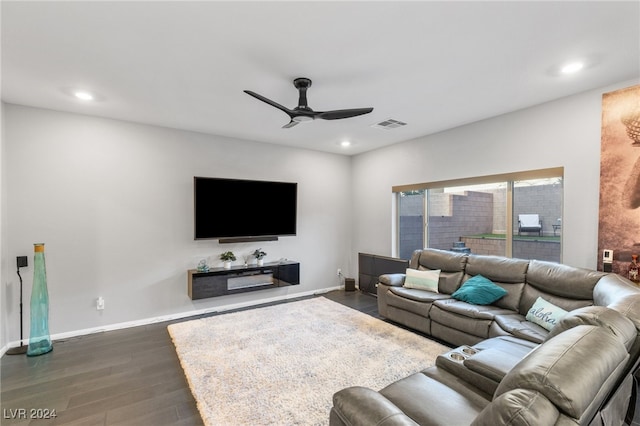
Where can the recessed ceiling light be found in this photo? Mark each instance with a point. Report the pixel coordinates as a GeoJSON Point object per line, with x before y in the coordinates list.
{"type": "Point", "coordinates": [572, 67]}
{"type": "Point", "coordinates": [85, 96]}
{"type": "Point", "coordinates": [345, 144]}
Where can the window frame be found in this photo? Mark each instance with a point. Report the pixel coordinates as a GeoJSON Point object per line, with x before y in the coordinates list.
{"type": "Point", "coordinates": [509, 178]}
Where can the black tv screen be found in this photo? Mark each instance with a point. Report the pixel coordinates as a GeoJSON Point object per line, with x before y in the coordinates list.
{"type": "Point", "coordinates": [233, 208]}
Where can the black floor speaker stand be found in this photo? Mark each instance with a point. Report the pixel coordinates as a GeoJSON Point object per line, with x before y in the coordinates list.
{"type": "Point", "coordinates": [22, 349]}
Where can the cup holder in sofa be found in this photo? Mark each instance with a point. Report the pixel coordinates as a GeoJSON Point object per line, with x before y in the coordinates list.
{"type": "Point", "coordinates": [462, 353]}
{"type": "Point", "coordinates": [456, 356]}
{"type": "Point", "coordinates": [468, 350]}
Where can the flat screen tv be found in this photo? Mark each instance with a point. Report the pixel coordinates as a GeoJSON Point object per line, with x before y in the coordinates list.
{"type": "Point", "coordinates": [237, 208]}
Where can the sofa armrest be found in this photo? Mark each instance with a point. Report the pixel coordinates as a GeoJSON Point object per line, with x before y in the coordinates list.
{"type": "Point", "coordinates": [393, 280]}
{"type": "Point", "coordinates": [362, 406]}
{"type": "Point", "coordinates": [616, 292]}
{"type": "Point", "coordinates": [492, 363]}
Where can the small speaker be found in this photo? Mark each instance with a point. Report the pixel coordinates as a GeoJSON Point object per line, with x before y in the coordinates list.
{"type": "Point", "coordinates": [349, 284]}
{"type": "Point", "coordinates": [22, 261]}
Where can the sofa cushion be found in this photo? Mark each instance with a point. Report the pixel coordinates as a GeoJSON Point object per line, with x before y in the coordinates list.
{"type": "Point", "coordinates": [617, 323]}
{"type": "Point", "coordinates": [422, 280]}
{"type": "Point", "coordinates": [464, 309]}
{"type": "Point", "coordinates": [518, 326]}
{"type": "Point", "coordinates": [545, 314]}
{"type": "Point", "coordinates": [463, 316]}
{"type": "Point", "coordinates": [572, 370]}
{"type": "Point", "coordinates": [479, 290]}
{"type": "Point", "coordinates": [518, 407]}
{"type": "Point", "coordinates": [412, 300]}
{"type": "Point", "coordinates": [430, 401]}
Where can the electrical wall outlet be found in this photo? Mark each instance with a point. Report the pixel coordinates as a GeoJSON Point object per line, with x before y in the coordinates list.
{"type": "Point", "coordinates": [339, 272]}
{"type": "Point", "coordinates": [22, 261]}
{"type": "Point", "coordinates": [100, 303]}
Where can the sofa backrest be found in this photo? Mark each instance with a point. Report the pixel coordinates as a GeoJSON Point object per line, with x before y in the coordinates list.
{"type": "Point", "coordinates": [508, 273]}
{"type": "Point", "coordinates": [565, 286]}
{"type": "Point", "coordinates": [525, 280]}
{"type": "Point", "coordinates": [575, 370]}
{"type": "Point", "coordinates": [451, 265]}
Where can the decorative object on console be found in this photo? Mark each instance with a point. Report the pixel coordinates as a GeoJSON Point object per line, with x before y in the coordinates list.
{"type": "Point", "coordinates": [39, 338]}
{"type": "Point", "coordinates": [259, 255]}
{"type": "Point", "coordinates": [202, 266]}
{"type": "Point", "coordinates": [227, 257]}
{"type": "Point", "coordinates": [634, 269]}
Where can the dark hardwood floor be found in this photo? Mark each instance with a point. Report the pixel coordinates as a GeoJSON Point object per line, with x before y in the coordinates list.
{"type": "Point", "coordinates": [122, 377]}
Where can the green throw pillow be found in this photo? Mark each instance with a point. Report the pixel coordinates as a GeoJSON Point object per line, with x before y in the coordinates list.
{"type": "Point", "coordinates": [545, 313]}
{"type": "Point", "coordinates": [422, 280]}
{"type": "Point", "coordinates": [479, 290]}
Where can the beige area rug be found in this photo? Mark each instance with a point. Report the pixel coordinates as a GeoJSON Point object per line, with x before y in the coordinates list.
{"type": "Point", "coordinates": [281, 365]}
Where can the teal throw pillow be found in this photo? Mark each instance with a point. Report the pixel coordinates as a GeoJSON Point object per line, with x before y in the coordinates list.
{"type": "Point", "coordinates": [545, 313]}
{"type": "Point", "coordinates": [479, 290]}
{"type": "Point", "coordinates": [422, 280]}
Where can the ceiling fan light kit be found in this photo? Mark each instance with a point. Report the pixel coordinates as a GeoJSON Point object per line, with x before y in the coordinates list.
{"type": "Point", "coordinates": [303, 112]}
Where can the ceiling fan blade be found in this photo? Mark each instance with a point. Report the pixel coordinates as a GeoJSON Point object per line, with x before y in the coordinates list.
{"type": "Point", "coordinates": [343, 113]}
{"type": "Point", "coordinates": [270, 102]}
{"type": "Point", "coordinates": [290, 124]}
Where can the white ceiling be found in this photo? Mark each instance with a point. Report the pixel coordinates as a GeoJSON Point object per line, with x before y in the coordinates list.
{"type": "Point", "coordinates": [433, 65]}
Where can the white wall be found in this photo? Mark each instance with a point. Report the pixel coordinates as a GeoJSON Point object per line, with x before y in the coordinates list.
{"type": "Point", "coordinates": [3, 266]}
{"type": "Point", "coordinates": [113, 203]}
{"type": "Point", "coordinates": [564, 133]}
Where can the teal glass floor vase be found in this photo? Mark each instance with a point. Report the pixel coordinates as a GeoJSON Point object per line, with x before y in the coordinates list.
{"type": "Point", "coordinates": [39, 338]}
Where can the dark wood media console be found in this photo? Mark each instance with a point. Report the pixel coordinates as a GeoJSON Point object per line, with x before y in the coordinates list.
{"type": "Point", "coordinates": [240, 279]}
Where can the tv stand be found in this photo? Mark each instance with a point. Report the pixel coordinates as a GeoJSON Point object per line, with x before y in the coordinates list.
{"type": "Point", "coordinates": [240, 279]}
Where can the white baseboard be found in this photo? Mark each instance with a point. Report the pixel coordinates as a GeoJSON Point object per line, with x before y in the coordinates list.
{"type": "Point", "coordinates": [146, 321]}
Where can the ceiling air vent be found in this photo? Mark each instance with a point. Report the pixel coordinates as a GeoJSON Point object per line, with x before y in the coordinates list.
{"type": "Point", "coordinates": [389, 124]}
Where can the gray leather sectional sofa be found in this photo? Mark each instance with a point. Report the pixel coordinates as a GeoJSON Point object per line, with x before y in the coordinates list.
{"type": "Point", "coordinates": [504, 369]}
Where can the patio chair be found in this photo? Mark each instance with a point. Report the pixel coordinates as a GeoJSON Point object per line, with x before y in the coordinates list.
{"type": "Point", "coordinates": [529, 223]}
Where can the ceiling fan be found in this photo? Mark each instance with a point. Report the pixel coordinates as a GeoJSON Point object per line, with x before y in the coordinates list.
{"type": "Point", "coordinates": [302, 112]}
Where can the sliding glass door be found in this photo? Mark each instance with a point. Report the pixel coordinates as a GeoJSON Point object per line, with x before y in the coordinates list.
{"type": "Point", "coordinates": [491, 216]}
